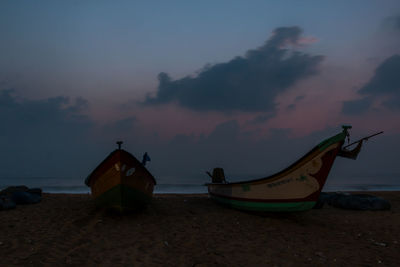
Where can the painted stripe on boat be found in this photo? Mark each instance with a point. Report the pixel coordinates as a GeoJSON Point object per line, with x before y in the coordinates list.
{"type": "Point", "coordinates": [266, 206]}
{"type": "Point", "coordinates": [311, 197]}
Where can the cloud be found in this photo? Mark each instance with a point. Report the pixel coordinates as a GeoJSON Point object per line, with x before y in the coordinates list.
{"type": "Point", "coordinates": [260, 119]}
{"type": "Point", "coordinates": [386, 79]}
{"type": "Point", "coordinates": [393, 103]}
{"type": "Point", "coordinates": [292, 106]}
{"type": "Point", "coordinates": [392, 23]}
{"type": "Point", "coordinates": [41, 137]}
{"type": "Point", "coordinates": [384, 84]}
{"type": "Point", "coordinates": [356, 107]}
{"type": "Point", "coordinates": [29, 116]}
{"type": "Point", "coordinates": [249, 83]}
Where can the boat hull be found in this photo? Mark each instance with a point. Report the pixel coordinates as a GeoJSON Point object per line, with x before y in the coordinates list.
{"type": "Point", "coordinates": [121, 182]}
{"type": "Point", "coordinates": [122, 197]}
{"type": "Point", "coordinates": [296, 188]}
{"type": "Point", "coordinates": [251, 205]}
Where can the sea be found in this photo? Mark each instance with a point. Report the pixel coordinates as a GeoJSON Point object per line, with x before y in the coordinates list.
{"type": "Point", "coordinates": [76, 186]}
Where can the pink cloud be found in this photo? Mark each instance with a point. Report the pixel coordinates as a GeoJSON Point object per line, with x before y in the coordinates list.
{"type": "Point", "coordinates": [307, 40]}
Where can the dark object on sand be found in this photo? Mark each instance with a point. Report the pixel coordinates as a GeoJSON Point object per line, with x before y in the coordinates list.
{"type": "Point", "coordinates": [35, 191]}
{"type": "Point", "coordinates": [20, 195]}
{"type": "Point", "coordinates": [121, 182]}
{"type": "Point", "coordinates": [20, 188]}
{"type": "Point", "coordinates": [354, 201]}
{"type": "Point", "coordinates": [25, 198]}
{"type": "Point", "coordinates": [11, 189]}
{"type": "Point", "coordinates": [295, 188]}
{"type": "Point", "coordinates": [6, 203]}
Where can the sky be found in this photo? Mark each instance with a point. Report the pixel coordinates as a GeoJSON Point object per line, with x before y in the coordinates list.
{"type": "Point", "coordinates": [247, 86]}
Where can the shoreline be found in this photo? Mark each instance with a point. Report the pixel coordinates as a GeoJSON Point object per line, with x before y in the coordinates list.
{"type": "Point", "coordinates": [200, 188]}
{"type": "Point", "coordinates": [206, 194]}
{"type": "Point", "coordinates": [192, 230]}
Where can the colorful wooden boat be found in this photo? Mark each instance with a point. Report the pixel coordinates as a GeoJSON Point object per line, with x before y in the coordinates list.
{"type": "Point", "coordinates": [295, 188]}
{"type": "Point", "coordinates": [121, 182]}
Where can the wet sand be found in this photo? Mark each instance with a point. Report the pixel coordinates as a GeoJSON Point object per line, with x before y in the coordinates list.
{"type": "Point", "coordinates": [191, 230]}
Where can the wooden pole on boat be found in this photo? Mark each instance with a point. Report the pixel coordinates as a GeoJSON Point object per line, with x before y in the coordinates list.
{"type": "Point", "coordinates": [119, 143]}
{"type": "Point", "coordinates": [362, 139]}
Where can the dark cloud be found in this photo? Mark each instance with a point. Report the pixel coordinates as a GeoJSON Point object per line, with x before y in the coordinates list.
{"type": "Point", "coordinates": [55, 114]}
{"type": "Point", "coordinates": [393, 103]}
{"type": "Point", "coordinates": [356, 107]}
{"type": "Point", "coordinates": [41, 137]}
{"type": "Point", "coordinates": [392, 23]}
{"type": "Point", "coordinates": [385, 83]}
{"type": "Point", "coordinates": [226, 131]}
{"type": "Point", "coordinates": [248, 83]}
{"type": "Point", "coordinates": [386, 79]}
{"type": "Point", "coordinates": [292, 106]}
{"type": "Point", "coordinates": [263, 118]}
{"type": "Point", "coordinates": [384, 86]}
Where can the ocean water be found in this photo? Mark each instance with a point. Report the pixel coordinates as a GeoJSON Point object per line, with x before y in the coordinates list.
{"type": "Point", "coordinates": [77, 186]}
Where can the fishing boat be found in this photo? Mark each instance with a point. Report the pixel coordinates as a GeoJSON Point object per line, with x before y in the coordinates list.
{"type": "Point", "coordinates": [295, 188]}
{"type": "Point", "coordinates": [121, 181]}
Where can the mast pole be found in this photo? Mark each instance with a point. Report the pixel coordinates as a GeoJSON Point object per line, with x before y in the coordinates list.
{"type": "Point", "coordinates": [119, 143]}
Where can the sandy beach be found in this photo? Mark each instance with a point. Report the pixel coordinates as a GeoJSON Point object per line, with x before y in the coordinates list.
{"type": "Point", "coordinates": [191, 230]}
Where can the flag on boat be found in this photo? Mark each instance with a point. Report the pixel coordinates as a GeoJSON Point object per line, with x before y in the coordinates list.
{"type": "Point", "coordinates": [145, 158]}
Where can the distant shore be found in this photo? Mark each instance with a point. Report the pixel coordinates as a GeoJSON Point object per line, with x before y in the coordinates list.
{"type": "Point", "coordinates": [192, 230]}
{"type": "Point", "coordinates": [55, 186]}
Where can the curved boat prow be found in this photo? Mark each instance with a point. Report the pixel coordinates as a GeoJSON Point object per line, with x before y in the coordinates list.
{"type": "Point", "coordinates": [295, 188]}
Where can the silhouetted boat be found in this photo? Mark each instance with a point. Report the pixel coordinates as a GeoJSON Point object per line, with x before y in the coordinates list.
{"type": "Point", "coordinates": [121, 182]}
{"type": "Point", "coordinates": [295, 188]}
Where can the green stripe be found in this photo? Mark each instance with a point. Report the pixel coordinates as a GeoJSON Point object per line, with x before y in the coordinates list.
{"type": "Point", "coordinates": [122, 197]}
{"type": "Point", "coordinates": [335, 139]}
{"type": "Point", "coordinates": [265, 206]}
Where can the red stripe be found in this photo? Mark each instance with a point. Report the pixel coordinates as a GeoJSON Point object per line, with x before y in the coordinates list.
{"type": "Point", "coordinates": [312, 197]}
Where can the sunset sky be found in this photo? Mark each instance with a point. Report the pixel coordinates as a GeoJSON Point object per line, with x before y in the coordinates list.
{"type": "Point", "coordinates": [249, 86]}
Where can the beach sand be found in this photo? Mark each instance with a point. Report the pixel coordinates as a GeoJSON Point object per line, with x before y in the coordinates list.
{"type": "Point", "coordinates": [191, 230]}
